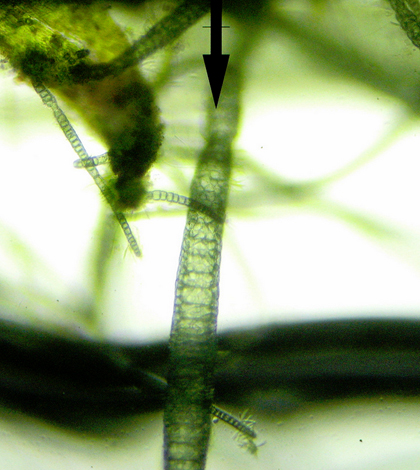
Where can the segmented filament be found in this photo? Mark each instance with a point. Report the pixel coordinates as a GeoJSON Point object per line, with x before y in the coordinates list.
{"type": "Point", "coordinates": [49, 100]}
{"type": "Point", "coordinates": [90, 162]}
{"type": "Point", "coordinates": [244, 426]}
{"type": "Point", "coordinates": [156, 195]}
{"type": "Point", "coordinates": [166, 196]}
{"type": "Point", "coordinates": [193, 334]}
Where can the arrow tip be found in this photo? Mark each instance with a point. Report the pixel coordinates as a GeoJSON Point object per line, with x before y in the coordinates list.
{"type": "Point", "coordinates": [216, 66]}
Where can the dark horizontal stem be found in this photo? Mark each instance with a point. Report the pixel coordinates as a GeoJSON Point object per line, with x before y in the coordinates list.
{"type": "Point", "coordinates": [77, 379]}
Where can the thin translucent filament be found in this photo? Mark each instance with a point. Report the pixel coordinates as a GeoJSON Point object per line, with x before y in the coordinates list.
{"type": "Point", "coordinates": [49, 100]}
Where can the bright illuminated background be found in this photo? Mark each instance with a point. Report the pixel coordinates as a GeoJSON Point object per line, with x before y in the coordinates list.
{"type": "Point", "coordinates": [347, 247]}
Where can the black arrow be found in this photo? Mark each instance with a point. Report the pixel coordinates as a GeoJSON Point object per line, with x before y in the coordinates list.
{"type": "Point", "coordinates": [216, 62]}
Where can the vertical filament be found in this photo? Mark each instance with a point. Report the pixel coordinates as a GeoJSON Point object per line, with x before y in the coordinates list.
{"type": "Point", "coordinates": [193, 334]}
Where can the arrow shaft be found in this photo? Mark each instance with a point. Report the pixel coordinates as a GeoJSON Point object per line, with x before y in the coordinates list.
{"type": "Point", "coordinates": [216, 27]}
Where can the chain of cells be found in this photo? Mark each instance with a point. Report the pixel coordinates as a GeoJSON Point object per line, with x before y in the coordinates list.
{"type": "Point", "coordinates": [54, 47]}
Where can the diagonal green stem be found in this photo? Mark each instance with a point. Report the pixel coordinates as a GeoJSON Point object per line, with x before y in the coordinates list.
{"type": "Point", "coordinates": [162, 34]}
{"type": "Point", "coordinates": [407, 14]}
{"type": "Point", "coordinates": [193, 334]}
{"type": "Point", "coordinates": [49, 100]}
